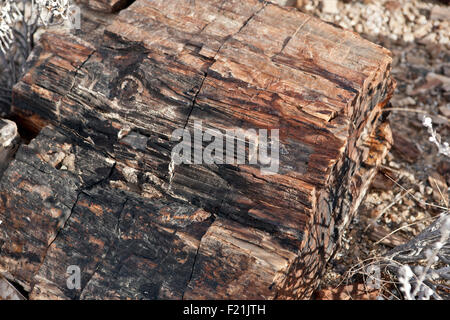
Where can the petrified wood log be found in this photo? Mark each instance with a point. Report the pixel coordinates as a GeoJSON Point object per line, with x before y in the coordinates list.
{"type": "Point", "coordinates": [98, 187]}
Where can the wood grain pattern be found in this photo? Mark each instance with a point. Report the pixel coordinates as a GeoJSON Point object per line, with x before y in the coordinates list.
{"type": "Point", "coordinates": [146, 229]}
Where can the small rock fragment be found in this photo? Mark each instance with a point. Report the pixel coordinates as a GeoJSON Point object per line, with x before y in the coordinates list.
{"type": "Point", "coordinates": [399, 103]}
{"type": "Point", "coordinates": [384, 236]}
{"type": "Point", "coordinates": [440, 13]}
{"type": "Point", "coordinates": [392, 5]}
{"type": "Point", "coordinates": [443, 168]}
{"type": "Point", "coordinates": [405, 148]}
{"type": "Point", "coordinates": [434, 76]}
{"type": "Point", "coordinates": [9, 142]}
{"type": "Point", "coordinates": [285, 3]}
{"type": "Point", "coordinates": [440, 194]}
{"type": "Point", "coordinates": [381, 180]}
{"type": "Point", "coordinates": [429, 85]}
{"type": "Point", "coordinates": [330, 6]}
{"type": "Point", "coordinates": [445, 110]}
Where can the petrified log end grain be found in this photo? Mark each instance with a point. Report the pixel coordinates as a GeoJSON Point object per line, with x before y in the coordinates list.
{"type": "Point", "coordinates": [98, 188]}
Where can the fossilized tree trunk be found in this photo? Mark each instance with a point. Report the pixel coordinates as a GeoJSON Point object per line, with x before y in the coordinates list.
{"type": "Point", "coordinates": [97, 188]}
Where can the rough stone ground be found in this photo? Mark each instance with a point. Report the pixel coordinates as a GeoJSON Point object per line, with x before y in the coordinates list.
{"type": "Point", "coordinates": [412, 188]}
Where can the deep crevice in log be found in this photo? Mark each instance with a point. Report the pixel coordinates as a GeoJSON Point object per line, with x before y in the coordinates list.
{"type": "Point", "coordinates": [20, 289]}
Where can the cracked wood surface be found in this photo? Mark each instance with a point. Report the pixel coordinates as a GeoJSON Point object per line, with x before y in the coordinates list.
{"type": "Point", "coordinates": [96, 187]}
